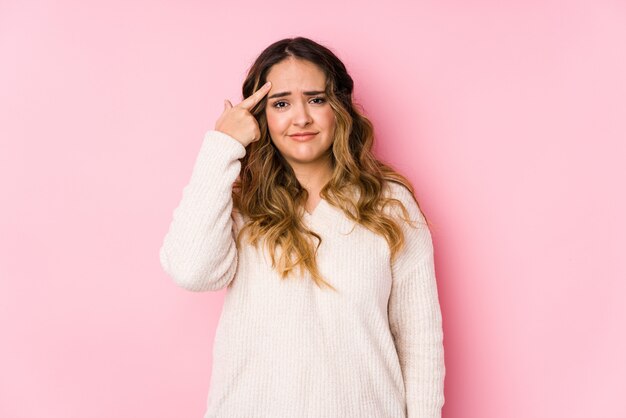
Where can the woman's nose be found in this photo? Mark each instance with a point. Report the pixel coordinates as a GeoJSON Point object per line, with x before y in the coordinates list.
{"type": "Point", "coordinates": [301, 115]}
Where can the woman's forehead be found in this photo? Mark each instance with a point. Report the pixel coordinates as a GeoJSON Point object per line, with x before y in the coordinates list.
{"type": "Point", "coordinates": [296, 73]}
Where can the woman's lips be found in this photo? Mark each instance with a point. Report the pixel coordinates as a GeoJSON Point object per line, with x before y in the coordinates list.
{"type": "Point", "coordinates": [301, 138]}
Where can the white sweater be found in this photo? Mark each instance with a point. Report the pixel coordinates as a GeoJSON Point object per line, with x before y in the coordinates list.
{"type": "Point", "coordinates": [286, 348]}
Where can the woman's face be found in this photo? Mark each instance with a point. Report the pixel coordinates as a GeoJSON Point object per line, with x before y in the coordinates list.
{"type": "Point", "coordinates": [297, 103]}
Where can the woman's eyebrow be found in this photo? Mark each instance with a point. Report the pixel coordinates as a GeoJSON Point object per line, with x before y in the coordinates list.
{"type": "Point", "coordinates": [287, 93]}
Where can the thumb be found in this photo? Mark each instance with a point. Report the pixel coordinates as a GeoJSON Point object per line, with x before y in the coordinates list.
{"type": "Point", "coordinates": [227, 104]}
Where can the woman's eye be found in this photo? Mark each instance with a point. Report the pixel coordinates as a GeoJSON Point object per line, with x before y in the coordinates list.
{"type": "Point", "coordinates": [278, 104]}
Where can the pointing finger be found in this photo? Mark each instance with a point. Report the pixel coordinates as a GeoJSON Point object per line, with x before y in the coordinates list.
{"type": "Point", "coordinates": [256, 97]}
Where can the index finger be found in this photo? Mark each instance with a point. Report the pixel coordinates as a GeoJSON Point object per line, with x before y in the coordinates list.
{"type": "Point", "coordinates": [251, 101]}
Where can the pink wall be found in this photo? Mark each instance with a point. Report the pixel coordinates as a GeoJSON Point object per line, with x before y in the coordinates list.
{"type": "Point", "coordinates": [510, 120]}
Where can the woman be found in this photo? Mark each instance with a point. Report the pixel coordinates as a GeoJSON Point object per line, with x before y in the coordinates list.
{"type": "Point", "coordinates": [331, 308]}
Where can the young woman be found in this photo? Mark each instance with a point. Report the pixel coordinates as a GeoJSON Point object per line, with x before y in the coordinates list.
{"type": "Point", "coordinates": [331, 306]}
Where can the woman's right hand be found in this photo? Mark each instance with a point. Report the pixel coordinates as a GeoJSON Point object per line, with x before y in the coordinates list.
{"type": "Point", "coordinates": [238, 122]}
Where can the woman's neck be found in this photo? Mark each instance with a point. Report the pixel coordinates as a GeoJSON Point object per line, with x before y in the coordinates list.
{"type": "Point", "coordinates": [313, 177]}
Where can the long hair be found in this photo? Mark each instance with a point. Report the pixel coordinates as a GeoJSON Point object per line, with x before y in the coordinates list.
{"type": "Point", "coordinates": [268, 193]}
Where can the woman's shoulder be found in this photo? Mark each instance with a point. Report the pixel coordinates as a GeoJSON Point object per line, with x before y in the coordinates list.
{"type": "Point", "coordinates": [390, 188]}
{"type": "Point", "coordinates": [396, 190]}
{"type": "Point", "coordinates": [399, 191]}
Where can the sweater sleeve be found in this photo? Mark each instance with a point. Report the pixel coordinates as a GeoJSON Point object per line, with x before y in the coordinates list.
{"type": "Point", "coordinates": [415, 316]}
{"type": "Point", "coordinates": [198, 251]}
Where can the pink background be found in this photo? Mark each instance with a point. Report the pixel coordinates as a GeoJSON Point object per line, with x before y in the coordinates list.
{"type": "Point", "coordinates": [510, 119]}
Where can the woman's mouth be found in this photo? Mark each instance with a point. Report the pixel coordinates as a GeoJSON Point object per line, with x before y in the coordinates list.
{"type": "Point", "coordinates": [303, 137]}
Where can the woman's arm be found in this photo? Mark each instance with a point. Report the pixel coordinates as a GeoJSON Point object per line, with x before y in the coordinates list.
{"type": "Point", "coordinates": [198, 250]}
{"type": "Point", "coordinates": [415, 318]}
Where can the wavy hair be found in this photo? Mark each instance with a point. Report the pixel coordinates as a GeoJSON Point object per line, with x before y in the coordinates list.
{"type": "Point", "coordinates": [268, 193]}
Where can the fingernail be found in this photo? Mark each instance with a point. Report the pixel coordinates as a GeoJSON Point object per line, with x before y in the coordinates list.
{"type": "Point", "coordinates": [266, 84]}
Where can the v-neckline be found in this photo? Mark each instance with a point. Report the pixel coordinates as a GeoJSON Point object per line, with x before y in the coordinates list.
{"type": "Point", "coordinates": [316, 210]}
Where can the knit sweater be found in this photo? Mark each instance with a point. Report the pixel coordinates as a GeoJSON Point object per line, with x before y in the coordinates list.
{"type": "Point", "coordinates": [288, 348]}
